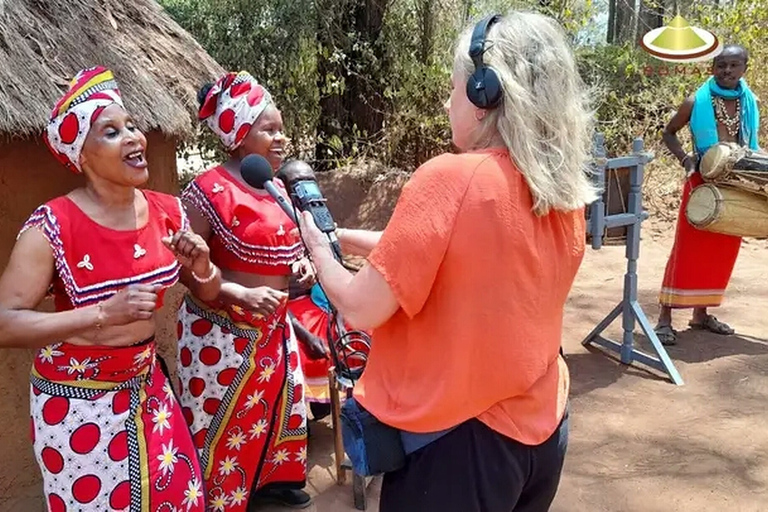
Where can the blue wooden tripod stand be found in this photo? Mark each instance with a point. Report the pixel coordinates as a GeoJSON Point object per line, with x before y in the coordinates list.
{"type": "Point", "coordinates": [629, 308]}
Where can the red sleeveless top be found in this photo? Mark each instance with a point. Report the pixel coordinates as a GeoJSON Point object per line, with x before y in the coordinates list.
{"type": "Point", "coordinates": [94, 262]}
{"type": "Point", "coordinates": [250, 232]}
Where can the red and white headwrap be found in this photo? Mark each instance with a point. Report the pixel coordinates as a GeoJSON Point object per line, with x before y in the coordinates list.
{"type": "Point", "coordinates": [232, 105]}
{"type": "Point", "coordinates": [90, 92]}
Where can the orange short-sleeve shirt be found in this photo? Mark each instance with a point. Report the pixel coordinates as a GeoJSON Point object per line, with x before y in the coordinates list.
{"type": "Point", "coordinates": [482, 283]}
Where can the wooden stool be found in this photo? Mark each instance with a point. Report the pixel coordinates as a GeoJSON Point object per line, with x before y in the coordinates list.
{"type": "Point", "coordinates": [359, 483]}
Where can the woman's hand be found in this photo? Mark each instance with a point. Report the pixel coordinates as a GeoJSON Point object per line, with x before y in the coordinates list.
{"type": "Point", "coordinates": [263, 300]}
{"type": "Point", "coordinates": [131, 304]}
{"type": "Point", "coordinates": [314, 239]}
{"type": "Point", "coordinates": [191, 251]}
{"type": "Point", "coordinates": [304, 272]}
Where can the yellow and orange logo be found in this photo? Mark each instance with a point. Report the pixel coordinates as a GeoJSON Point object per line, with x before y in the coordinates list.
{"type": "Point", "coordinates": [681, 42]}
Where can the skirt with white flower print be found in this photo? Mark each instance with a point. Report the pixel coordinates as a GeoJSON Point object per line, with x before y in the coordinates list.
{"type": "Point", "coordinates": [109, 434]}
{"type": "Point", "coordinates": [241, 391]}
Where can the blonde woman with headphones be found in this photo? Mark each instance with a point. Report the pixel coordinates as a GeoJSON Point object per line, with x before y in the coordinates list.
{"type": "Point", "coordinates": [465, 288]}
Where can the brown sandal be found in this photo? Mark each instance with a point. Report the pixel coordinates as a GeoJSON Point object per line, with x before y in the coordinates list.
{"type": "Point", "coordinates": [712, 325]}
{"type": "Point", "coordinates": [666, 334]}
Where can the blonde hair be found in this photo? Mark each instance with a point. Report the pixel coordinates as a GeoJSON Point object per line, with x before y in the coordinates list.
{"type": "Point", "coordinates": [544, 117]}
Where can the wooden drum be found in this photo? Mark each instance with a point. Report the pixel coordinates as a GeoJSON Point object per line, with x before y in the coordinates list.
{"type": "Point", "coordinates": [729, 211]}
{"type": "Point", "coordinates": [729, 164]}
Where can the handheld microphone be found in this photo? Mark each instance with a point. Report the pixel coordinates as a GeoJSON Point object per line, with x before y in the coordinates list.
{"type": "Point", "coordinates": [345, 345]}
{"type": "Point", "coordinates": [257, 172]}
{"type": "Point", "coordinates": [300, 179]}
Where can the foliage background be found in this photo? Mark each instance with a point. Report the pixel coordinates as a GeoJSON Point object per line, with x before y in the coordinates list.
{"type": "Point", "coordinates": [366, 79]}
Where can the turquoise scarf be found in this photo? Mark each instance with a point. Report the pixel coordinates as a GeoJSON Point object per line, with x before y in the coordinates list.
{"type": "Point", "coordinates": [703, 124]}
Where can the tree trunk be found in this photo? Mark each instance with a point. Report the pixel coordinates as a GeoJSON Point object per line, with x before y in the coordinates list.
{"type": "Point", "coordinates": [365, 94]}
{"type": "Point", "coordinates": [626, 21]}
{"type": "Point", "coordinates": [426, 14]}
{"type": "Point", "coordinates": [330, 34]}
{"type": "Point", "coordinates": [651, 16]}
{"type": "Point", "coordinates": [611, 36]}
{"type": "Point", "coordinates": [350, 53]}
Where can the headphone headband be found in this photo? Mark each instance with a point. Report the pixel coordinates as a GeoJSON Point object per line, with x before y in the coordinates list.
{"type": "Point", "coordinates": [483, 87]}
{"type": "Point", "coordinates": [477, 45]}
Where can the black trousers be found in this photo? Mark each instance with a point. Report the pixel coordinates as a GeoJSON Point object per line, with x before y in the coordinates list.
{"type": "Point", "coordinates": [475, 469]}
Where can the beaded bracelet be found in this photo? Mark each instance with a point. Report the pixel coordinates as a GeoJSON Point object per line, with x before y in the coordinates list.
{"type": "Point", "coordinates": [210, 277]}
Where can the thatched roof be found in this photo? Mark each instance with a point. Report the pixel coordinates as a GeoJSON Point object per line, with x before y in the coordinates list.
{"type": "Point", "coordinates": [43, 43]}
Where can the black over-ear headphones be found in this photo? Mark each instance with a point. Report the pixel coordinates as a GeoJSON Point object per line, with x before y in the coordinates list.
{"type": "Point", "coordinates": [484, 86]}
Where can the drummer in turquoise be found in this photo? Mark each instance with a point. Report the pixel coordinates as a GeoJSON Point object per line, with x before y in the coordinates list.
{"type": "Point", "coordinates": [699, 268]}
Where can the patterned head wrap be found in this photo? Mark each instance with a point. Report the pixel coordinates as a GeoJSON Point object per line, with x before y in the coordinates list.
{"type": "Point", "coordinates": [232, 105]}
{"type": "Point", "coordinates": [90, 92]}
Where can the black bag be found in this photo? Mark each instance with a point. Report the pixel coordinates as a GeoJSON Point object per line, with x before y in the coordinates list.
{"type": "Point", "coordinates": [373, 447]}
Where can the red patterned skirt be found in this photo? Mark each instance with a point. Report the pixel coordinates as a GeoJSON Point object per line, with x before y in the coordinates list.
{"type": "Point", "coordinates": [242, 395]}
{"type": "Point", "coordinates": [108, 432]}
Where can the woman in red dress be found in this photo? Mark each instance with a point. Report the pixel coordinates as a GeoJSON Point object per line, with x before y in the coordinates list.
{"type": "Point", "coordinates": [241, 382]}
{"type": "Point", "coordinates": [107, 429]}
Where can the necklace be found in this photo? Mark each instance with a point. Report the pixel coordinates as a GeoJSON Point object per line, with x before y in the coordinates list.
{"type": "Point", "coordinates": [732, 124]}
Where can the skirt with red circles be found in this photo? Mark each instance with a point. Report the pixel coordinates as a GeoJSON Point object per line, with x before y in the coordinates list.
{"type": "Point", "coordinates": [241, 389]}
{"type": "Point", "coordinates": [108, 432]}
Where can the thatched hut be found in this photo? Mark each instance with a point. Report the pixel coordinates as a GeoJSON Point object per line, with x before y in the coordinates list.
{"type": "Point", "coordinates": [43, 43]}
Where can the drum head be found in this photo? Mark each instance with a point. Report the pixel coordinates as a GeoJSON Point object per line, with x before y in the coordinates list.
{"type": "Point", "coordinates": [704, 205]}
{"type": "Point", "coordinates": [714, 161]}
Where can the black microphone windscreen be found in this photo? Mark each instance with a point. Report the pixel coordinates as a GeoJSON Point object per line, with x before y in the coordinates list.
{"type": "Point", "coordinates": [255, 170]}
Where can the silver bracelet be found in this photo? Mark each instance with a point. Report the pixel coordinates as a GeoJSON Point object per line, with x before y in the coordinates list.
{"type": "Point", "coordinates": [210, 277]}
